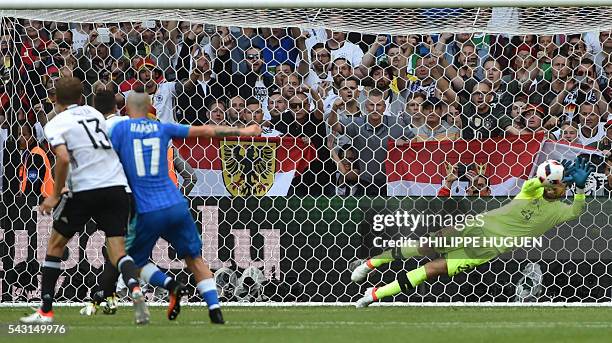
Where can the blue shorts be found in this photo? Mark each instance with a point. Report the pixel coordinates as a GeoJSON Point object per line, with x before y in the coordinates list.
{"type": "Point", "coordinates": [174, 224]}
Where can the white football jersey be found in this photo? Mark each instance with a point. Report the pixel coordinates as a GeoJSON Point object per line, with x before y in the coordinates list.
{"type": "Point", "coordinates": [93, 162]}
{"type": "Point", "coordinates": [111, 121]}
{"type": "Point", "coordinates": [163, 101]}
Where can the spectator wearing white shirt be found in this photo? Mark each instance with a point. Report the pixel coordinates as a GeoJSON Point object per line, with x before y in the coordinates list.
{"type": "Point", "coordinates": [80, 35]}
{"type": "Point", "coordinates": [339, 47]}
{"type": "Point", "coordinates": [341, 69]}
{"type": "Point", "coordinates": [591, 127]}
{"type": "Point", "coordinates": [317, 71]}
{"type": "Point", "coordinates": [164, 95]}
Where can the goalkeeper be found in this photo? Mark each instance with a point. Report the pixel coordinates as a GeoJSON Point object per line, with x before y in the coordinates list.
{"type": "Point", "coordinates": [534, 211]}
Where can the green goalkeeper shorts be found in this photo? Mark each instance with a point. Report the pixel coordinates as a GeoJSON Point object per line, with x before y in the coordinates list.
{"type": "Point", "coordinates": [459, 261]}
{"type": "Point", "coordinates": [465, 258]}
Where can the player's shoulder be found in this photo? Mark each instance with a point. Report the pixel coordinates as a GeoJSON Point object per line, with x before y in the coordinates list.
{"type": "Point", "coordinates": [64, 118]}
{"type": "Point", "coordinates": [116, 123]}
{"type": "Point", "coordinates": [115, 119]}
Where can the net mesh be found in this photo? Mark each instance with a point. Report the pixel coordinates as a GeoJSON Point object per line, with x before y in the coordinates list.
{"type": "Point", "coordinates": [372, 21]}
{"type": "Point", "coordinates": [287, 216]}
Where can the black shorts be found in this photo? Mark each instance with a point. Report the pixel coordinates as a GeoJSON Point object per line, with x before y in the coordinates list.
{"type": "Point", "coordinates": [108, 207]}
{"type": "Point", "coordinates": [131, 215]}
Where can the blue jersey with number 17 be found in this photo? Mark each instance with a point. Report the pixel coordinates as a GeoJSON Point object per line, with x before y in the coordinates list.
{"type": "Point", "coordinates": [141, 145]}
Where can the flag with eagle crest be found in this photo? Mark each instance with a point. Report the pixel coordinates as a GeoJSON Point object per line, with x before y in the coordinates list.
{"type": "Point", "coordinates": [261, 166]}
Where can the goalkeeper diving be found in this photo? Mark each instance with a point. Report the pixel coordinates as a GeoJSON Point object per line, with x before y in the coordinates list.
{"type": "Point", "coordinates": [533, 212]}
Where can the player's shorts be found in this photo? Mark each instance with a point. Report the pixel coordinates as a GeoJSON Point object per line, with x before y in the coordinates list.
{"type": "Point", "coordinates": [108, 207]}
{"type": "Point", "coordinates": [465, 258]}
{"type": "Point", "coordinates": [131, 215]}
{"type": "Point", "coordinates": [174, 224]}
{"type": "Point", "coordinates": [458, 261]}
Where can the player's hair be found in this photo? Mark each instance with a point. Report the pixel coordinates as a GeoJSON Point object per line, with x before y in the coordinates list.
{"type": "Point", "coordinates": [68, 91]}
{"type": "Point", "coordinates": [104, 101]}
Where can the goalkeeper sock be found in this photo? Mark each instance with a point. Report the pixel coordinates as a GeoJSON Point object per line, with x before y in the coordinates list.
{"type": "Point", "coordinates": [208, 290]}
{"type": "Point", "coordinates": [51, 270]}
{"type": "Point", "coordinates": [392, 255]}
{"type": "Point", "coordinates": [129, 271]}
{"type": "Point", "coordinates": [155, 277]}
{"type": "Point", "coordinates": [411, 279]}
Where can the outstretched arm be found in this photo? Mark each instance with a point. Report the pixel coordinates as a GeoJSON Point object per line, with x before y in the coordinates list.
{"type": "Point", "coordinates": [577, 174]}
{"type": "Point", "coordinates": [570, 212]}
{"type": "Point", "coordinates": [223, 131]}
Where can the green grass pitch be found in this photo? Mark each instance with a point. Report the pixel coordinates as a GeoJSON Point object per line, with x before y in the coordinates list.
{"type": "Point", "coordinates": [332, 324]}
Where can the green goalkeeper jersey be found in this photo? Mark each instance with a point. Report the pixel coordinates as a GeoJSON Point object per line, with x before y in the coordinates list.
{"type": "Point", "coordinates": [529, 214]}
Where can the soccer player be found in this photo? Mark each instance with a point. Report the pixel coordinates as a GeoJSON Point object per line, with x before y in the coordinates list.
{"type": "Point", "coordinates": [161, 210]}
{"type": "Point", "coordinates": [105, 102]}
{"type": "Point", "coordinates": [534, 211]}
{"type": "Point", "coordinates": [88, 166]}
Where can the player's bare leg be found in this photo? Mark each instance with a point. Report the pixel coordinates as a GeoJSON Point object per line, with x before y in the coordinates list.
{"type": "Point", "coordinates": [206, 287]}
{"type": "Point", "coordinates": [129, 271]}
{"type": "Point", "coordinates": [51, 270]}
{"type": "Point", "coordinates": [405, 281]}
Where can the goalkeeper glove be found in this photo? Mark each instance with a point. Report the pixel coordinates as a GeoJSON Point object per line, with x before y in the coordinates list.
{"type": "Point", "coordinates": [568, 169]}
{"type": "Point", "coordinates": [581, 171]}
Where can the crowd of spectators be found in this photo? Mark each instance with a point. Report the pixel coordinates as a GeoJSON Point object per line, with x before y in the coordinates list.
{"type": "Point", "coordinates": [345, 93]}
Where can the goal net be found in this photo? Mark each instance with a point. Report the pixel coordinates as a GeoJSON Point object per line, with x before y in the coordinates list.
{"type": "Point", "coordinates": [374, 121]}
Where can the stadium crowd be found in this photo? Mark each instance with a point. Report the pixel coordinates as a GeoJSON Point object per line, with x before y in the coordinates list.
{"type": "Point", "coordinates": [346, 94]}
